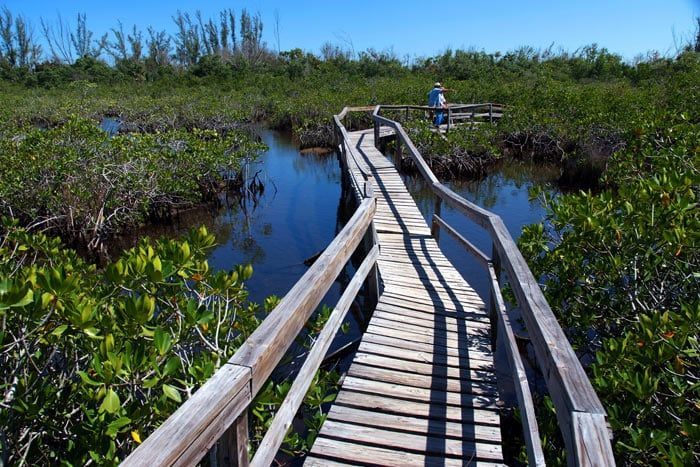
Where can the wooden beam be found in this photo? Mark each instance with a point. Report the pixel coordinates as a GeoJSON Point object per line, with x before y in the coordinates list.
{"type": "Point", "coordinates": [266, 346]}
{"type": "Point", "coordinates": [466, 244]}
{"type": "Point", "coordinates": [285, 414]}
{"type": "Point", "coordinates": [186, 436]}
{"type": "Point", "coordinates": [522, 389]}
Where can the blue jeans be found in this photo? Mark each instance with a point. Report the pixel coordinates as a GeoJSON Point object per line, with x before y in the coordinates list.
{"type": "Point", "coordinates": [439, 117]}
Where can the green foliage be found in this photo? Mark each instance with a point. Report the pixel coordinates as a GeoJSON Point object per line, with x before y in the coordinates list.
{"type": "Point", "coordinates": [92, 361]}
{"type": "Point", "coordinates": [620, 270]}
{"type": "Point", "coordinates": [464, 151]}
{"type": "Point", "coordinates": [86, 185]}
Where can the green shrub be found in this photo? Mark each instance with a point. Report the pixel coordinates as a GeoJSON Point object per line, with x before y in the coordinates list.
{"type": "Point", "coordinates": [92, 361]}
{"type": "Point", "coordinates": [620, 270]}
{"type": "Point", "coordinates": [87, 185]}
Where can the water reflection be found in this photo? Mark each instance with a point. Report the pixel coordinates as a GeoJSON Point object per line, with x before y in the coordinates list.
{"type": "Point", "coordinates": [110, 125]}
{"type": "Point", "coordinates": [294, 219]}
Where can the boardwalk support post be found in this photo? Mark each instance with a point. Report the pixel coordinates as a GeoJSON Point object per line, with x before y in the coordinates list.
{"type": "Point", "coordinates": [493, 305]}
{"type": "Point", "coordinates": [232, 448]}
{"type": "Point", "coordinates": [373, 286]}
{"type": "Point", "coordinates": [398, 154]}
{"type": "Point", "coordinates": [435, 227]}
{"type": "Point", "coordinates": [377, 126]}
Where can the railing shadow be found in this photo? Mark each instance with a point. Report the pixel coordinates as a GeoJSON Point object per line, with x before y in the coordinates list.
{"type": "Point", "coordinates": [451, 337]}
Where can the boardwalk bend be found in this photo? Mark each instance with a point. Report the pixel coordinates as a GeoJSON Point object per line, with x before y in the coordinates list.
{"type": "Point", "coordinates": [421, 388]}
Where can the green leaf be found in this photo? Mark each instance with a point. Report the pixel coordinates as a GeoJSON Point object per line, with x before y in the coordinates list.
{"type": "Point", "coordinates": [59, 330]}
{"type": "Point", "coordinates": [26, 300]}
{"type": "Point", "coordinates": [151, 382]}
{"type": "Point", "coordinates": [163, 341]}
{"type": "Point", "coordinates": [87, 380]}
{"type": "Point", "coordinates": [114, 427]}
{"type": "Point", "coordinates": [93, 333]}
{"type": "Point", "coordinates": [171, 393]}
{"type": "Point", "coordinates": [111, 402]}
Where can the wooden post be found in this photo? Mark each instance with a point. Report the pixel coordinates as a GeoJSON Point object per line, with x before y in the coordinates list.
{"type": "Point", "coordinates": [406, 114]}
{"type": "Point", "coordinates": [373, 287]}
{"type": "Point", "coordinates": [232, 448]}
{"type": "Point", "coordinates": [371, 241]}
{"type": "Point", "coordinates": [493, 310]}
{"type": "Point", "coordinates": [435, 228]}
{"type": "Point", "coordinates": [491, 113]}
{"type": "Point", "coordinates": [398, 155]}
{"type": "Point", "coordinates": [376, 134]}
{"type": "Point", "coordinates": [449, 119]}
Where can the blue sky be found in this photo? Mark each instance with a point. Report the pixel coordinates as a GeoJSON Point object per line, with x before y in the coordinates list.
{"type": "Point", "coordinates": [414, 28]}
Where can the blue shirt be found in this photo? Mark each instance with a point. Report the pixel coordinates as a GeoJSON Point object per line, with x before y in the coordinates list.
{"type": "Point", "coordinates": [434, 97]}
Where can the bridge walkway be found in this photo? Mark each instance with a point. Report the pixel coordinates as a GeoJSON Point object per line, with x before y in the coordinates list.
{"type": "Point", "coordinates": [421, 389]}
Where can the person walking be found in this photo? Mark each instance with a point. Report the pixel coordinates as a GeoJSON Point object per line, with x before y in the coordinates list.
{"type": "Point", "coordinates": [436, 99]}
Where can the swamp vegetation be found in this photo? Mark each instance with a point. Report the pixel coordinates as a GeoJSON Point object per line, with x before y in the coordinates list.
{"type": "Point", "coordinates": [94, 355]}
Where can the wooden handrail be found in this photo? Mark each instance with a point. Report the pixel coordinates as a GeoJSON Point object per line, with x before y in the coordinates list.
{"type": "Point", "coordinates": [581, 416]}
{"type": "Point", "coordinates": [522, 388]}
{"type": "Point", "coordinates": [427, 107]}
{"type": "Point", "coordinates": [217, 407]}
{"type": "Point", "coordinates": [284, 416]}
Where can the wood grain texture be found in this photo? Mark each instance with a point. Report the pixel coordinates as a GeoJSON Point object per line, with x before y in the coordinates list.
{"type": "Point", "coordinates": [285, 414]}
{"type": "Point", "coordinates": [426, 353]}
{"type": "Point", "coordinates": [566, 380]}
{"type": "Point", "coordinates": [266, 346]}
{"type": "Point", "coordinates": [522, 388]}
{"type": "Point", "coordinates": [198, 423]}
{"type": "Point", "coordinates": [421, 388]}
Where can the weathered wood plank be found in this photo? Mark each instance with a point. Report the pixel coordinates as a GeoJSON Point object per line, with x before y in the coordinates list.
{"type": "Point", "coordinates": [198, 423]}
{"type": "Point", "coordinates": [438, 322]}
{"type": "Point", "coordinates": [370, 455]}
{"type": "Point", "coordinates": [313, 461]}
{"type": "Point", "coordinates": [466, 244]}
{"type": "Point", "coordinates": [265, 347]}
{"type": "Point", "coordinates": [415, 424]}
{"type": "Point", "coordinates": [522, 388]}
{"type": "Point", "coordinates": [415, 308]}
{"type": "Point", "coordinates": [419, 394]}
{"type": "Point", "coordinates": [439, 284]}
{"type": "Point", "coordinates": [440, 297]}
{"type": "Point", "coordinates": [468, 356]}
{"type": "Point", "coordinates": [454, 337]}
{"type": "Point", "coordinates": [445, 411]}
{"type": "Point", "coordinates": [285, 414]}
{"type": "Point", "coordinates": [467, 368]}
{"type": "Point", "coordinates": [439, 446]}
{"type": "Point", "coordinates": [436, 341]}
{"type": "Point", "coordinates": [425, 313]}
{"type": "Point", "coordinates": [416, 380]}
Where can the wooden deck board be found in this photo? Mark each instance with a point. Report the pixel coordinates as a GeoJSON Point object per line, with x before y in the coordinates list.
{"type": "Point", "coordinates": [421, 389]}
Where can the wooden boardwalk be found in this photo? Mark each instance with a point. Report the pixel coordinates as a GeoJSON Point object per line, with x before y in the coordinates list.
{"type": "Point", "coordinates": [421, 389]}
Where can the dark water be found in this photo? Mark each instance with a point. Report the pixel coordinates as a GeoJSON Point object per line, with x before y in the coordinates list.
{"type": "Point", "coordinates": [301, 211]}
{"type": "Point", "coordinates": [295, 218]}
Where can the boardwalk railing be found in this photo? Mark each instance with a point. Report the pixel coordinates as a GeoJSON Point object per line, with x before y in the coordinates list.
{"type": "Point", "coordinates": [456, 113]}
{"type": "Point", "coordinates": [581, 416]}
{"type": "Point", "coordinates": [215, 418]}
